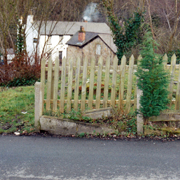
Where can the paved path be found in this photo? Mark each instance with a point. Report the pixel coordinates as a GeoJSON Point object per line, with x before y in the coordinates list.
{"type": "Point", "coordinates": [49, 158]}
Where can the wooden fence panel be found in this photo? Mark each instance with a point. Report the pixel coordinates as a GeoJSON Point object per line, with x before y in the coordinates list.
{"type": "Point", "coordinates": [83, 93]}
{"type": "Point", "coordinates": [106, 83]}
{"type": "Point", "coordinates": [76, 91]}
{"type": "Point", "coordinates": [91, 84]}
{"type": "Point", "coordinates": [173, 64]}
{"type": "Point", "coordinates": [63, 82]}
{"type": "Point", "coordinates": [130, 80]}
{"type": "Point", "coordinates": [114, 80]}
{"type": "Point", "coordinates": [52, 100]}
{"type": "Point", "coordinates": [56, 79]}
{"type": "Point", "coordinates": [98, 90]}
{"type": "Point", "coordinates": [121, 85]}
{"type": "Point", "coordinates": [70, 75]}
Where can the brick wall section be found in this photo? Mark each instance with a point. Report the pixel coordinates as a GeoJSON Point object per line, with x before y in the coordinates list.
{"type": "Point", "coordinates": [89, 50]}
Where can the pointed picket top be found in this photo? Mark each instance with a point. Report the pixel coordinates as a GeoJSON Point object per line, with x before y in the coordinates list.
{"type": "Point", "coordinates": [165, 57]}
{"type": "Point", "coordinates": [173, 59]}
{"type": "Point", "coordinates": [165, 60]}
{"type": "Point", "coordinates": [123, 58]}
{"type": "Point", "coordinates": [174, 55]}
{"type": "Point", "coordinates": [139, 57]}
{"type": "Point", "coordinates": [173, 62]}
{"type": "Point", "coordinates": [116, 58]}
{"type": "Point", "coordinates": [131, 58]}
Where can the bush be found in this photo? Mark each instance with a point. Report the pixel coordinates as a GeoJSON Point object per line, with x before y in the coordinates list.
{"type": "Point", "coordinates": [19, 73]}
{"type": "Point", "coordinates": [153, 80]}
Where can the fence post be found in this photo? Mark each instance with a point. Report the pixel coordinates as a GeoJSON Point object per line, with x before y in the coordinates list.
{"type": "Point", "coordinates": [38, 105]}
{"type": "Point", "coordinates": [140, 121]}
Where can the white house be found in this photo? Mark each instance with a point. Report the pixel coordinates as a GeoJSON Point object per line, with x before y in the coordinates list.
{"type": "Point", "coordinates": [53, 35]}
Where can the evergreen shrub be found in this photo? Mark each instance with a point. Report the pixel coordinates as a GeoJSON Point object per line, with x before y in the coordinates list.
{"type": "Point", "coordinates": [153, 80]}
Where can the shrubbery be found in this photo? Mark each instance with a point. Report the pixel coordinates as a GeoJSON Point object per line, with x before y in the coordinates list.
{"type": "Point", "coordinates": [153, 80]}
{"type": "Point", "coordinates": [19, 73]}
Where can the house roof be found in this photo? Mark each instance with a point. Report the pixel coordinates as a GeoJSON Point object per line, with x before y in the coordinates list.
{"type": "Point", "coordinates": [70, 28]}
{"type": "Point", "coordinates": [106, 38]}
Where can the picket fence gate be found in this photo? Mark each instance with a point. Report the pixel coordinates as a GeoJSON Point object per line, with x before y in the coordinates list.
{"type": "Point", "coordinates": [64, 90]}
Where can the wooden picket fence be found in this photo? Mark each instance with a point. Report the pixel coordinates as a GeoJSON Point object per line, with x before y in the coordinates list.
{"type": "Point", "coordinates": [88, 87]}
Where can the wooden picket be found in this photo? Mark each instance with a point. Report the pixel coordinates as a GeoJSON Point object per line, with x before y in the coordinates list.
{"type": "Point", "coordinates": [43, 79]}
{"type": "Point", "coordinates": [56, 78]}
{"type": "Point", "coordinates": [98, 90]}
{"type": "Point", "coordinates": [87, 87]}
{"type": "Point", "coordinates": [106, 84]}
{"type": "Point", "coordinates": [121, 85]}
{"type": "Point", "coordinates": [83, 96]}
{"type": "Point", "coordinates": [91, 84]}
{"type": "Point", "coordinates": [178, 93]}
{"type": "Point", "coordinates": [173, 64]}
{"type": "Point", "coordinates": [76, 92]}
{"type": "Point", "coordinates": [49, 85]}
{"type": "Point", "coordinates": [130, 81]}
{"type": "Point", "coordinates": [113, 88]}
{"type": "Point", "coordinates": [70, 75]}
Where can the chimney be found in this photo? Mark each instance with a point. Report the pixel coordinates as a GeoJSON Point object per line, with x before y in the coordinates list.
{"type": "Point", "coordinates": [81, 34]}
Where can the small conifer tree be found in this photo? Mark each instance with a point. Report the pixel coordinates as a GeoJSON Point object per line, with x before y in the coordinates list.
{"type": "Point", "coordinates": [20, 42]}
{"type": "Point", "coordinates": [153, 80]}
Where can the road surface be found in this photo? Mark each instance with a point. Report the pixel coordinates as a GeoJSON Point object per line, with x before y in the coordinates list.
{"type": "Point", "coordinates": [47, 158]}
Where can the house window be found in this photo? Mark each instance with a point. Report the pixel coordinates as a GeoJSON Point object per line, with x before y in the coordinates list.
{"type": "Point", "coordinates": [35, 40]}
{"type": "Point", "coordinates": [60, 58]}
{"type": "Point", "coordinates": [49, 40]}
{"type": "Point", "coordinates": [98, 49]}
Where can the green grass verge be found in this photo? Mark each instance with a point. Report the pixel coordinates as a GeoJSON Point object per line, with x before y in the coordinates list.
{"type": "Point", "coordinates": [17, 109]}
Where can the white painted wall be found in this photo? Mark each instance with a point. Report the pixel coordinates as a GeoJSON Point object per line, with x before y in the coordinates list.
{"type": "Point", "coordinates": [57, 44]}
{"type": "Point", "coordinates": [31, 33]}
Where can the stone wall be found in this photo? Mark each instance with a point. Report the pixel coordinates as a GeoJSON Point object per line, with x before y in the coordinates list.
{"type": "Point", "coordinates": [89, 51]}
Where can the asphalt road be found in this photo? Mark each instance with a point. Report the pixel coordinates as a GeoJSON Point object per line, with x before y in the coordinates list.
{"type": "Point", "coordinates": [93, 159]}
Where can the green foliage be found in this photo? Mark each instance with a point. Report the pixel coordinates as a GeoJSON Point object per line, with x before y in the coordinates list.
{"type": "Point", "coordinates": [128, 36]}
{"type": "Point", "coordinates": [177, 53]}
{"type": "Point", "coordinates": [20, 41]}
{"type": "Point", "coordinates": [22, 82]}
{"type": "Point", "coordinates": [153, 80]}
{"type": "Point", "coordinates": [132, 126]}
{"type": "Point", "coordinates": [82, 135]}
{"type": "Point", "coordinates": [77, 115]}
{"type": "Point", "coordinates": [13, 103]}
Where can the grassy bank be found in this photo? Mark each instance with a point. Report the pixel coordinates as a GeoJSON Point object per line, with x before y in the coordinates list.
{"type": "Point", "coordinates": [17, 109]}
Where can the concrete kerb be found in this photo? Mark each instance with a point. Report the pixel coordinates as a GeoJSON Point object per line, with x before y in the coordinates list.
{"type": "Point", "coordinates": [66, 127]}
